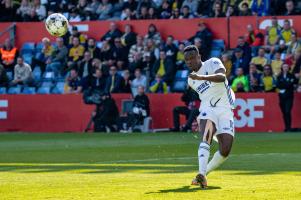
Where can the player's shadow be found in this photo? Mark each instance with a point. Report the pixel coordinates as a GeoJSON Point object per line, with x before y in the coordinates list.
{"type": "Point", "coordinates": [185, 189]}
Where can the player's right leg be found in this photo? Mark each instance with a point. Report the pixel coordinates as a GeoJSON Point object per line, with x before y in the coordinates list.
{"type": "Point", "coordinates": [207, 129]}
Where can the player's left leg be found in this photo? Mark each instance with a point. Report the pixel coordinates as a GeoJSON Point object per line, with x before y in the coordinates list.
{"type": "Point", "coordinates": [225, 141]}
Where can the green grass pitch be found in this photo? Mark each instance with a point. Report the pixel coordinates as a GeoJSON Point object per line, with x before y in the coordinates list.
{"type": "Point", "coordinates": [145, 166]}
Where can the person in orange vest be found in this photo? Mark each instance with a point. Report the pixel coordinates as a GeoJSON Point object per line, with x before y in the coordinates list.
{"type": "Point", "coordinates": [8, 55]}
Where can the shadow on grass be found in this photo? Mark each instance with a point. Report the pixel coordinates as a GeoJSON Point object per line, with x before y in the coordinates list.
{"type": "Point", "coordinates": [185, 189]}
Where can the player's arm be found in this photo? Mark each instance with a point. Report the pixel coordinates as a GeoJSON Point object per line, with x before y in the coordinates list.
{"type": "Point", "coordinates": [218, 76]}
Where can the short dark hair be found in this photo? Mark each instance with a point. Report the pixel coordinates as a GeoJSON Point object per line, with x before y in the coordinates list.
{"type": "Point", "coordinates": [190, 48]}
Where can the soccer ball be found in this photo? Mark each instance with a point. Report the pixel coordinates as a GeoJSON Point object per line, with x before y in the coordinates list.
{"type": "Point", "coordinates": [56, 24]}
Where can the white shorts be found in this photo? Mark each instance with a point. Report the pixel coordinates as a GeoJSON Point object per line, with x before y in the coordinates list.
{"type": "Point", "coordinates": [223, 118]}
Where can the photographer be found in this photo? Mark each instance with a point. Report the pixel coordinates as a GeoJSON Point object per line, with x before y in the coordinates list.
{"type": "Point", "coordinates": [140, 111]}
{"type": "Point", "coordinates": [106, 114]}
{"type": "Point", "coordinates": [190, 110]}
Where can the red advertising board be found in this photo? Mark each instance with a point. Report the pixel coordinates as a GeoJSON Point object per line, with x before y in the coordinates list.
{"type": "Point", "coordinates": [256, 112]}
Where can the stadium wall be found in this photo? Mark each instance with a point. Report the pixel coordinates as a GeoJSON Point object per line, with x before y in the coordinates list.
{"type": "Point", "coordinates": [180, 28]}
{"type": "Point", "coordinates": [255, 112]}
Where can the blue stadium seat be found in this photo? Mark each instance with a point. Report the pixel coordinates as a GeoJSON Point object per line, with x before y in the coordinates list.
{"type": "Point", "coordinates": [29, 90]}
{"type": "Point", "coordinates": [218, 44]}
{"type": "Point", "coordinates": [181, 74]}
{"type": "Point", "coordinates": [47, 84]}
{"type": "Point", "coordinates": [43, 90]}
{"type": "Point", "coordinates": [39, 46]}
{"type": "Point", "coordinates": [28, 48]}
{"type": "Point", "coordinates": [37, 73]}
{"type": "Point", "coordinates": [10, 75]}
{"type": "Point", "coordinates": [2, 90]}
{"type": "Point", "coordinates": [27, 58]}
{"type": "Point", "coordinates": [48, 76]}
{"type": "Point", "coordinates": [215, 53]}
{"type": "Point", "coordinates": [59, 88]}
{"type": "Point", "coordinates": [179, 86]}
{"type": "Point", "coordinates": [14, 90]}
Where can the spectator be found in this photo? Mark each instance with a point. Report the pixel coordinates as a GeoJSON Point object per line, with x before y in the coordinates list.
{"type": "Point", "coordinates": [230, 11]}
{"type": "Point", "coordinates": [276, 63]}
{"type": "Point", "coordinates": [254, 37]}
{"type": "Point", "coordinates": [273, 33]}
{"type": "Point", "coordinates": [164, 67]}
{"type": "Point", "coordinates": [204, 8]}
{"type": "Point", "coordinates": [239, 62]}
{"type": "Point", "coordinates": [192, 5]}
{"type": "Point", "coordinates": [141, 110]}
{"type": "Point", "coordinates": [120, 54]}
{"type": "Point", "coordinates": [74, 15]}
{"type": "Point", "coordinates": [104, 10]}
{"type": "Point", "coordinates": [130, 4]}
{"type": "Point", "coordinates": [140, 80]}
{"type": "Point", "coordinates": [244, 10]}
{"type": "Point", "coordinates": [217, 10]}
{"type": "Point", "coordinates": [143, 13]}
{"type": "Point", "coordinates": [152, 14]}
{"type": "Point", "coordinates": [151, 49]}
{"type": "Point", "coordinates": [96, 82]}
{"type": "Point", "coordinates": [39, 9]}
{"type": "Point", "coordinates": [136, 54]}
{"type": "Point", "coordinates": [175, 14]}
{"type": "Point", "coordinates": [129, 37]}
{"type": "Point", "coordinates": [114, 82]}
{"type": "Point", "coordinates": [260, 8]}
{"type": "Point", "coordinates": [44, 55]}
{"type": "Point", "coordinates": [286, 84]}
{"type": "Point", "coordinates": [290, 8]}
{"type": "Point", "coordinates": [190, 110]}
{"type": "Point", "coordinates": [23, 12]}
{"type": "Point", "coordinates": [170, 48]}
{"type": "Point", "coordinates": [72, 83]}
{"type": "Point", "coordinates": [112, 33]}
{"type": "Point", "coordinates": [147, 4]}
{"type": "Point", "coordinates": [153, 34]}
{"type": "Point", "coordinates": [159, 85]}
{"type": "Point", "coordinates": [127, 82]}
{"type": "Point", "coordinates": [186, 13]}
{"type": "Point", "coordinates": [22, 73]}
{"type": "Point", "coordinates": [287, 31]}
{"type": "Point", "coordinates": [205, 35]}
{"type": "Point", "coordinates": [254, 79]}
{"type": "Point", "coordinates": [9, 55]}
{"type": "Point", "coordinates": [93, 49]}
{"type": "Point", "coordinates": [226, 60]}
{"type": "Point", "coordinates": [4, 81]}
{"type": "Point", "coordinates": [91, 10]}
{"type": "Point", "coordinates": [202, 49]}
{"type": "Point", "coordinates": [268, 82]}
{"type": "Point", "coordinates": [107, 57]}
{"type": "Point", "coordinates": [127, 14]}
{"type": "Point", "coordinates": [293, 46]}
{"type": "Point", "coordinates": [180, 57]}
{"type": "Point", "coordinates": [85, 66]}
{"type": "Point", "coordinates": [59, 57]}
{"type": "Point", "coordinates": [260, 60]}
{"type": "Point", "coordinates": [165, 10]}
{"type": "Point", "coordinates": [8, 11]}
{"type": "Point", "coordinates": [75, 33]}
{"type": "Point", "coordinates": [77, 50]}
{"type": "Point", "coordinates": [245, 47]}
{"type": "Point", "coordinates": [240, 83]}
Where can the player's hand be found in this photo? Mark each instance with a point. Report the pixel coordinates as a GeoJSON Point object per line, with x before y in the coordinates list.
{"type": "Point", "coordinates": [194, 76]}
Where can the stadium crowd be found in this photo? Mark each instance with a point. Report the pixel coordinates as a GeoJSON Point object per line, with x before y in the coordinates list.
{"type": "Point", "coordinates": [79, 10]}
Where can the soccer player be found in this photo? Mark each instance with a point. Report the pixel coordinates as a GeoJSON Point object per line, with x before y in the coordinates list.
{"type": "Point", "coordinates": [209, 80]}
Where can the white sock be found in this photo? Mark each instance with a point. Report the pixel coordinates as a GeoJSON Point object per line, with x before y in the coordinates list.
{"type": "Point", "coordinates": [215, 162]}
{"type": "Point", "coordinates": [203, 153]}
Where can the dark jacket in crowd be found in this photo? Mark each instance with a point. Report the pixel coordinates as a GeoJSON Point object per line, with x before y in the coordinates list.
{"type": "Point", "coordinates": [85, 66]}
{"type": "Point", "coordinates": [117, 85]}
{"type": "Point", "coordinates": [169, 69]}
{"type": "Point", "coordinates": [286, 85]}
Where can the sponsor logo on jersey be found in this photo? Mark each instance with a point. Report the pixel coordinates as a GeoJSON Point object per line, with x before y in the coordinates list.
{"type": "Point", "coordinates": [203, 87]}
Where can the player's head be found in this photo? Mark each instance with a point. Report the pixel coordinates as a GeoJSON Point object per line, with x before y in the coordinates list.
{"type": "Point", "coordinates": [192, 57]}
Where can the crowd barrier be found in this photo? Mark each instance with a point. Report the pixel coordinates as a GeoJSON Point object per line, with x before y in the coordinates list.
{"type": "Point", "coordinates": [227, 29]}
{"type": "Point", "coordinates": [255, 112]}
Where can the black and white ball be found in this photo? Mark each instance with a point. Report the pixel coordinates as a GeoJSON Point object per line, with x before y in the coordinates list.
{"type": "Point", "coordinates": [56, 24]}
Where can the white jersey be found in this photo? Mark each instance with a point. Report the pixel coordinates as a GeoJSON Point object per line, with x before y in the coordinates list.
{"type": "Point", "coordinates": [210, 93]}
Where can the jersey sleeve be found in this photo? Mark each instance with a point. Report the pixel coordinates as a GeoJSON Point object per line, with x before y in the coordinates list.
{"type": "Point", "coordinates": [216, 64]}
